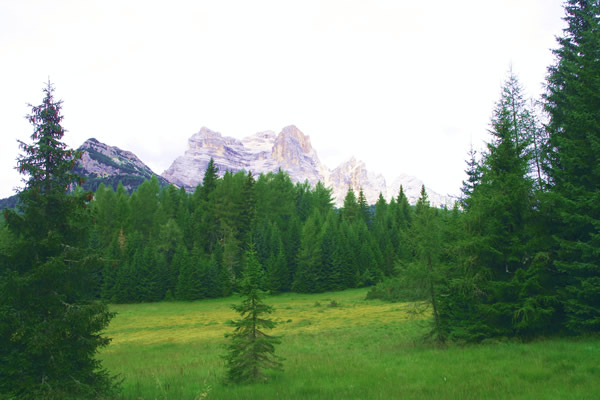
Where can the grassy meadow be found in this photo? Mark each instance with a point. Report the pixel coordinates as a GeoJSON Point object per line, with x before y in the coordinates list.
{"type": "Point", "coordinates": [337, 345]}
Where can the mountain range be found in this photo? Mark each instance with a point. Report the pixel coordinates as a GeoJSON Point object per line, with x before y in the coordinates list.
{"type": "Point", "coordinates": [289, 150]}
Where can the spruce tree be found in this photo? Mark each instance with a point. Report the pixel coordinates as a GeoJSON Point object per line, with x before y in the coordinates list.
{"type": "Point", "coordinates": [309, 272]}
{"type": "Point", "coordinates": [473, 178]}
{"type": "Point", "coordinates": [322, 198]}
{"type": "Point", "coordinates": [50, 326]}
{"type": "Point", "coordinates": [351, 209]}
{"type": "Point", "coordinates": [363, 207]}
{"type": "Point", "coordinates": [499, 294]}
{"type": "Point", "coordinates": [573, 104]}
{"type": "Point", "coordinates": [401, 214]}
{"type": "Point", "coordinates": [209, 181]}
{"type": "Point", "coordinates": [330, 247]}
{"type": "Point", "coordinates": [250, 350]}
{"type": "Point", "coordinates": [424, 275]}
{"type": "Point", "coordinates": [278, 278]}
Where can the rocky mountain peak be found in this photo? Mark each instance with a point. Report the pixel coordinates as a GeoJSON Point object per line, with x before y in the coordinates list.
{"type": "Point", "coordinates": [290, 150]}
{"type": "Point", "coordinates": [292, 147]}
{"type": "Point", "coordinates": [101, 163]}
{"type": "Point", "coordinates": [293, 133]}
{"type": "Point", "coordinates": [93, 149]}
{"type": "Point", "coordinates": [353, 174]}
{"type": "Point", "coordinates": [352, 164]}
{"type": "Point", "coordinates": [206, 138]}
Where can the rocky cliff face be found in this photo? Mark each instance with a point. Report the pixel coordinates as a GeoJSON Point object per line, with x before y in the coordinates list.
{"type": "Point", "coordinates": [291, 151]}
{"type": "Point", "coordinates": [110, 165]}
{"type": "Point", "coordinates": [354, 174]}
{"type": "Point", "coordinates": [263, 152]}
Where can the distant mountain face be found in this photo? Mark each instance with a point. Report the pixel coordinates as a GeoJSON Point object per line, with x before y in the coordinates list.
{"type": "Point", "coordinates": [291, 151]}
{"type": "Point", "coordinates": [263, 152]}
{"type": "Point", "coordinates": [110, 165]}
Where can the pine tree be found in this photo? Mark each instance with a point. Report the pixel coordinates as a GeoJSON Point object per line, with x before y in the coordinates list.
{"type": "Point", "coordinates": [209, 181]}
{"type": "Point", "coordinates": [351, 209]}
{"type": "Point", "coordinates": [363, 207]}
{"type": "Point", "coordinates": [144, 204]}
{"type": "Point", "coordinates": [205, 225]}
{"type": "Point", "coordinates": [401, 214]}
{"type": "Point", "coordinates": [424, 276]}
{"type": "Point", "coordinates": [309, 273]}
{"type": "Point", "coordinates": [322, 198]}
{"type": "Point", "coordinates": [498, 295]}
{"type": "Point", "coordinates": [383, 234]}
{"type": "Point", "coordinates": [404, 214]}
{"type": "Point", "coordinates": [573, 104]}
{"type": "Point", "coordinates": [50, 327]}
{"type": "Point", "coordinates": [330, 247]}
{"type": "Point", "coordinates": [346, 255]}
{"type": "Point", "coordinates": [247, 215]}
{"type": "Point", "coordinates": [278, 278]}
{"type": "Point", "coordinates": [473, 178]}
{"type": "Point", "coordinates": [250, 350]}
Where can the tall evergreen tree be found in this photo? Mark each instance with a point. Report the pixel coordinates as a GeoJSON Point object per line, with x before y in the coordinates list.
{"type": "Point", "coordinates": [363, 206]}
{"type": "Point", "coordinates": [351, 209]}
{"type": "Point", "coordinates": [573, 104]}
{"type": "Point", "coordinates": [309, 274]}
{"type": "Point", "coordinates": [473, 178]}
{"type": "Point", "coordinates": [330, 247]}
{"type": "Point", "coordinates": [50, 327]}
{"type": "Point", "coordinates": [251, 350]}
{"type": "Point", "coordinates": [424, 276]}
{"type": "Point", "coordinates": [278, 277]}
{"type": "Point", "coordinates": [383, 234]}
{"type": "Point", "coordinates": [322, 198]}
{"type": "Point", "coordinates": [209, 181]}
{"type": "Point", "coordinates": [497, 251]}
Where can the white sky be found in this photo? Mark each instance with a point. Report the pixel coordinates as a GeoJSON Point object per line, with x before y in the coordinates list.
{"type": "Point", "coordinates": [405, 86]}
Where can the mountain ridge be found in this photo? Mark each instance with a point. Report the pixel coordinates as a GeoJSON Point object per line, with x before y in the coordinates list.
{"type": "Point", "coordinates": [291, 151]}
{"type": "Point", "coordinates": [101, 163]}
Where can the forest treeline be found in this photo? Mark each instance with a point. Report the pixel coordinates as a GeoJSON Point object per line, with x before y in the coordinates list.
{"type": "Point", "coordinates": [165, 243]}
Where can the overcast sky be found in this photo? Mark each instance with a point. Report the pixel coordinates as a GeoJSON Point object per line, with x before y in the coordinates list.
{"type": "Point", "coordinates": [405, 86]}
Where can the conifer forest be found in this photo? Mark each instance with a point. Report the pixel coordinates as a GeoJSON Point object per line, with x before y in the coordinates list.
{"type": "Point", "coordinates": [516, 258]}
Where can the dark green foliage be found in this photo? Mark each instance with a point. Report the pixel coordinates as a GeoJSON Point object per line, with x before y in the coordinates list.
{"type": "Point", "coordinates": [351, 209]}
{"type": "Point", "coordinates": [192, 271]}
{"type": "Point", "coordinates": [395, 289]}
{"type": "Point", "coordinates": [277, 274]}
{"type": "Point", "coordinates": [50, 325]}
{"type": "Point", "coordinates": [330, 247]}
{"type": "Point", "coordinates": [495, 289]}
{"type": "Point", "coordinates": [518, 258]}
{"type": "Point", "coordinates": [426, 272]}
{"type": "Point", "coordinates": [473, 178]}
{"type": "Point", "coordinates": [364, 211]}
{"type": "Point", "coordinates": [209, 182]}
{"type": "Point", "coordinates": [250, 350]}
{"type": "Point", "coordinates": [573, 151]}
{"type": "Point", "coordinates": [275, 198]}
{"type": "Point", "coordinates": [322, 199]}
{"type": "Point", "coordinates": [308, 278]}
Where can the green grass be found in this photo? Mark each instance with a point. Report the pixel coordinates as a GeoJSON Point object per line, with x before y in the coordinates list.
{"type": "Point", "coordinates": [356, 350]}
